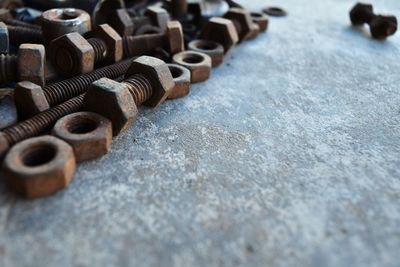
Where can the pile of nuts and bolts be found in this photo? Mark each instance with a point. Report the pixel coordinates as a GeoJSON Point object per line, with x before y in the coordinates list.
{"type": "Point", "coordinates": [79, 73]}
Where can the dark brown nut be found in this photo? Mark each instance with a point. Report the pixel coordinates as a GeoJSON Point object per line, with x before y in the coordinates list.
{"type": "Point", "coordinates": [158, 73]}
{"type": "Point", "coordinates": [261, 20]}
{"type": "Point", "coordinates": [89, 134]}
{"type": "Point", "coordinates": [182, 80]}
{"type": "Point", "coordinates": [213, 49]}
{"type": "Point", "coordinates": [100, 9]}
{"type": "Point", "coordinates": [112, 100]}
{"type": "Point", "coordinates": [39, 166]}
{"type": "Point", "coordinates": [222, 31]}
{"type": "Point", "coordinates": [383, 26]}
{"type": "Point", "coordinates": [30, 99]}
{"type": "Point", "coordinates": [241, 18]}
{"type": "Point", "coordinates": [275, 11]}
{"type": "Point", "coordinates": [198, 63]}
{"type": "Point", "coordinates": [4, 39]}
{"type": "Point", "coordinates": [121, 21]}
{"type": "Point", "coordinates": [175, 37]}
{"type": "Point", "coordinates": [255, 30]}
{"type": "Point", "coordinates": [112, 39]}
{"type": "Point", "coordinates": [72, 55]}
{"type": "Point", "coordinates": [158, 16]}
{"type": "Point", "coordinates": [31, 63]}
{"type": "Point", "coordinates": [361, 13]}
{"type": "Point", "coordinates": [60, 21]}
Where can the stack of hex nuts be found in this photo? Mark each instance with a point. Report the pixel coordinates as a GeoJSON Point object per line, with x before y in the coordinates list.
{"type": "Point", "coordinates": [97, 75]}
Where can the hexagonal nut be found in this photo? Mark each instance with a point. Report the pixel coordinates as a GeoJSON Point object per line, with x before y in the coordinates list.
{"type": "Point", "coordinates": [241, 18]}
{"type": "Point", "coordinates": [175, 37]}
{"type": "Point", "coordinates": [255, 30]}
{"type": "Point", "coordinates": [121, 21]}
{"type": "Point", "coordinates": [382, 26]}
{"type": "Point", "coordinates": [71, 55]}
{"type": "Point", "coordinates": [159, 16]}
{"type": "Point", "coordinates": [222, 31]}
{"type": "Point", "coordinates": [88, 133]}
{"type": "Point", "coordinates": [361, 13]}
{"type": "Point", "coordinates": [34, 71]}
{"type": "Point", "coordinates": [112, 100]}
{"type": "Point", "coordinates": [111, 38]}
{"type": "Point", "coordinates": [211, 48]}
{"type": "Point", "coordinates": [182, 80]}
{"type": "Point", "coordinates": [29, 99]}
{"type": "Point", "coordinates": [198, 63]}
{"type": "Point", "coordinates": [4, 39]}
{"type": "Point", "coordinates": [39, 166]}
{"type": "Point", "coordinates": [261, 20]}
{"type": "Point", "coordinates": [157, 72]}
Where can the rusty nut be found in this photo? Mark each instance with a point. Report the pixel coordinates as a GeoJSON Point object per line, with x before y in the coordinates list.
{"type": "Point", "coordinates": [241, 18]}
{"type": "Point", "coordinates": [211, 48]}
{"type": "Point", "coordinates": [39, 166]}
{"type": "Point", "coordinates": [112, 100]}
{"type": "Point", "coordinates": [88, 133]}
{"type": "Point", "coordinates": [382, 26]}
{"type": "Point", "coordinates": [175, 37]}
{"type": "Point", "coordinates": [198, 63]}
{"type": "Point", "coordinates": [121, 21]}
{"type": "Point", "coordinates": [156, 71]}
{"type": "Point", "coordinates": [182, 79]}
{"type": "Point", "coordinates": [158, 16]}
{"type": "Point", "coordinates": [34, 71]}
{"type": "Point", "coordinates": [30, 99]}
{"type": "Point", "coordinates": [71, 55]}
{"type": "Point", "coordinates": [222, 31]}
{"type": "Point", "coordinates": [112, 40]}
{"type": "Point", "coordinates": [261, 20]}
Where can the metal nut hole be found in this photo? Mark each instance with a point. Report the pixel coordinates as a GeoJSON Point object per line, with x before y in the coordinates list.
{"type": "Point", "coordinates": [38, 155]}
{"type": "Point", "coordinates": [206, 46]}
{"type": "Point", "coordinates": [82, 126]}
{"type": "Point", "coordinates": [193, 59]}
{"type": "Point", "coordinates": [256, 15]}
{"type": "Point", "coordinates": [176, 72]}
{"type": "Point", "coordinates": [69, 14]}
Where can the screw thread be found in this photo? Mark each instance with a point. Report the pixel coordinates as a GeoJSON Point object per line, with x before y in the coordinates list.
{"type": "Point", "coordinates": [139, 87]}
{"type": "Point", "coordinates": [99, 47]}
{"type": "Point", "coordinates": [21, 35]}
{"type": "Point", "coordinates": [142, 44]}
{"type": "Point", "coordinates": [8, 68]}
{"type": "Point", "coordinates": [61, 91]}
{"type": "Point", "coordinates": [42, 122]}
{"type": "Point", "coordinates": [15, 22]}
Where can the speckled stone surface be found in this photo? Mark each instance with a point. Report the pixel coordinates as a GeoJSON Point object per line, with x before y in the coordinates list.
{"type": "Point", "coordinates": [287, 156]}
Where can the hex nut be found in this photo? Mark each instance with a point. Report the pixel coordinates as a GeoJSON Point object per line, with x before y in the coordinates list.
{"type": "Point", "coordinates": [182, 80]}
{"type": "Point", "coordinates": [382, 26]}
{"type": "Point", "coordinates": [159, 16]}
{"type": "Point", "coordinates": [361, 13]}
{"type": "Point", "coordinates": [39, 166]}
{"type": "Point", "coordinates": [71, 55]}
{"type": "Point", "coordinates": [30, 99]}
{"type": "Point", "coordinates": [175, 37]}
{"type": "Point", "coordinates": [255, 30]}
{"type": "Point", "coordinates": [241, 18]}
{"type": "Point", "coordinates": [157, 72]}
{"type": "Point", "coordinates": [275, 11]}
{"type": "Point", "coordinates": [112, 100]}
{"type": "Point", "coordinates": [121, 21]}
{"type": "Point", "coordinates": [261, 20]}
{"type": "Point", "coordinates": [34, 71]}
{"type": "Point", "coordinates": [88, 133]}
{"type": "Point", "coordinates": [111, 38]}
{"type": "Point", "coordinates": [211, 48]}
{"type": "Point", "coordinates": [198, 63]}
{"type": "Point", "coordinates": [222, 31]}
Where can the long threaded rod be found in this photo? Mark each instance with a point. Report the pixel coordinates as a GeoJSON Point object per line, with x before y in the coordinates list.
{"type": "Point", "coordinates": [140, 88]}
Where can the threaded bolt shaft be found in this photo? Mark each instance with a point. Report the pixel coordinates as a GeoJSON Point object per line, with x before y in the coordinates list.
{"type": "Point", "coordinates": [143, 44]}
{"type": "Point", "coordinates": [139, 87]}
{"type": "Point", "coordinates": [100, 49]}
{"type": "Point", "coordinates": [8, 68]}
{"type": "Point", "coordinates": [19, 23]}
{"type": "Point", "coordinates": [21, 35]}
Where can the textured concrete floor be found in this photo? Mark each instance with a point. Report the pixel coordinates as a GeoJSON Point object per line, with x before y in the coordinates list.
{"type": "Point", "coordinates": [287, 156]}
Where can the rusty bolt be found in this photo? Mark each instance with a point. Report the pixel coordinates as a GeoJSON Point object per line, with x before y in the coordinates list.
{"type": "Point", "coordinates": [178, 8]}
{"type": "Point", "coordinates": [57, 22]}
{"type": "Point", "coordinates": [381, 26]}
{"type": "Point", "coordinates": [158, 16]}
{"type": "Point", "coordinates": [39, 166]}
{"type": "Point", "coordinates": [213, 49]}
{"type": "Point", "coordinates": [261, 20]}
{"type": "Point", "coordinates": [172, 41]}
{"type": "Point", "coordinates": [182, 80]}
{"type": "Point", "coordinates": [33, 99]}
{"type": "Point", "coordinates": [242, 20]}
{"type": "Point", "coordinates": [89, 134]}
{"type": "Point", "coordinates": [198, 63]}
{"type": "Point", "coordinates": [17, 35]}
{"type": "Point", "coordinates": [222, 31]}
{"type": "Point", "coordinates": [148, 81]}
{"type": "Point", "coordinates": [121, 21]}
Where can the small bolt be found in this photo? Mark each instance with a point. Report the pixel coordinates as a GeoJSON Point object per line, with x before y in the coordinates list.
{"type": "Point", "coordinates": [20, 35]}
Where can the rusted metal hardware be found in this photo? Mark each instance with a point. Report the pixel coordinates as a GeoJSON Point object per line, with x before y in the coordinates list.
{"type": "Point", "coordinates": [32, 99]}
{"type": "Point", "coordinates": [20, 35]}
{"type": "Point", "coordinates": [72, 54]}
{"type": "Point", "coordinates": [29, 65]}
{"type": "Point", "coordinates": [88, 133]}
{"type": "Point", "coordinates": [182, 80]}
{"type": "Point", "coordinates": [222, 31]}
{"type": "Point", "coordinates": [198, 63]}
{"type": "Point", "coordinates": [39, 166]}
{"type": "Point", "coordinates": [7, 18]}
{"type": "Point", "coordinates": [60, 21]}
{"type": "Point", "coordinates": [8, 110]}
{"type": "Point", "coordinates": [178, 8]}
{"type": "Point", "coordinates": [242, 20]}
{"type": "Point", "coordinates": [275, 11]}
{"type": "Point", "coordinates": [261, 20]}
{"type": "Point", "coordinates": [381, 26]}
{"type": "Point", "coordinates": [171, 40]}
{"type": "Point", "coordinates": [148, 81]}
{"type": "Point", "coordinates": [255, 30]}
{"type": "Point", "coordinates": [213, 49]}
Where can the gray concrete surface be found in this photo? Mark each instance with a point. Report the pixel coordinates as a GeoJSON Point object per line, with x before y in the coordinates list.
{"type": "Point", "coordinates": [287, 156]}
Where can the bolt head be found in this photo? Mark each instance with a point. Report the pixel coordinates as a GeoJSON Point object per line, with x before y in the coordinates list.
{"type": "Point", "coordinates": [112, 39]}
{"type": "Point", "coordinates": [158, 74]}
{"type": "Point", "coordinates": [383, 26]}
{"type": "Point", "coordinates": [361, 13]}
{"type": "Point", "coordinates": [29, 99]}
{"type": "Point", "coordinates": [121, 21]}
{"type": "Point", "coordinates": [112, 100]}
{"type": "Point", "coordinates": [222, 31]}
{"type": "Point", "coordinates": [175, 37]}
{"type": "Point", "coordinates": [34, 71]}
{"type": "Point", "coordinates": [244, 20]}
{"type": "Point", "coordinates": [71, 55]}
{"type": "Point", "coordinates": [4, 39]}
{"type": "Point", "coordinates": [159, 16]}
